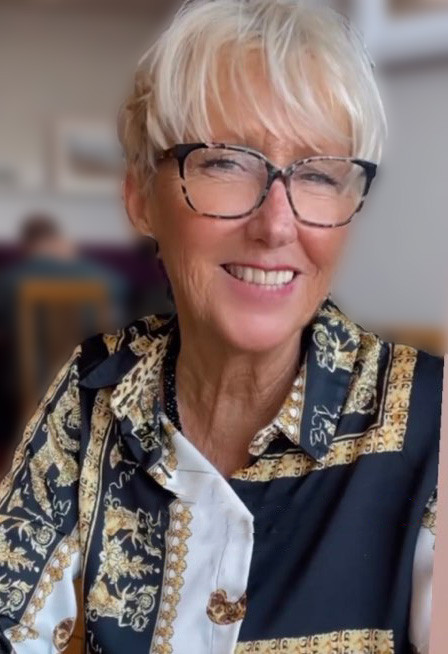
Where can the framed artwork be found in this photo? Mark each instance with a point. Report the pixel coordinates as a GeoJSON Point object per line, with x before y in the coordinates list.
{"type": "Point", "coordinates": [402, 30]}
{"type": "Point", "coordinates": [86, 157]}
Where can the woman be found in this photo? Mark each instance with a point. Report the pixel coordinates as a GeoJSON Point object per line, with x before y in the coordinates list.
{"type": "Point", "coordinates": [258, 473]}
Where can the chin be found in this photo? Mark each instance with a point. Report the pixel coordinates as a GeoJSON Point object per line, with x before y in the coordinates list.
{"type": "Point", "coordinates": [256, 333]}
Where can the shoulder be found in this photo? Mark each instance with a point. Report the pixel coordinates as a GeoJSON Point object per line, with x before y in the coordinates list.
{"type": "Point", "coordinates": [425, 406]}
{"type": "Point", "coordinates": [420, 371]}
{"type": "Point", "coordinates": [401, 363]}
{"type": "Point", "coordinates": [392, 382]}
{"type": "Point", "coordinates": [411, 397]}
{"type": "Point", "coordinates": [105, 358]}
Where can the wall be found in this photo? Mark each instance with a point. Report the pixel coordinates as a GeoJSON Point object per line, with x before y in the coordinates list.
{"type": "Point", "coordinates": [53, 64]}
{"type": "Point", "coordinates": [57, 63]}
{"type": "Point", "coordinates": [397, 266]}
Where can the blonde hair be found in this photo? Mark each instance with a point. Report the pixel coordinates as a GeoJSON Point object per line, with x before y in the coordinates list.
{"type": "Point", "coordinates": [177, 76]}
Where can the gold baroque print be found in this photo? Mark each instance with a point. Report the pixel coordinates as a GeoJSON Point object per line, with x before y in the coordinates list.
{"type": "Point", "coordinates": [263, 439]}
{"type": "Point", "coordinates": [16, 501]}
{"type": "Point", "coordinates": [51, 574]}
{"type": "Point", "coordinates": [287, 464]}
{"type": "Point", "coordinates": [20, 454]}
{"type": "Point", "coordinates": [362, 397]}
{"type": "Point", "coordinates": [134, 396]}
{"type": "Point", "coordinates": [62, 633]}
{"type": "Point", "coordinates": [336, 318]}
{"type": "Point", "coordinates": [11, 557]}
{"type": "Point", "coordinates": [141, 346]}
{"type": "Point", "coordinates": [168, 463]}
{"type": "Point", "coordinates": [349, 641]}
{"type": "Point", "coordinates": [323, 425]}
{"type": "Point", "coordinates": [389, 437]}
{"type": "Point", "coordinates": [129, 552]}
{"type": "Point", "coordinates": [221, 610]}
{"type": "Point", "coordinates": [115, 456]}
{"type": "Point", "coordinates": [13, 594]}
{"type": "Point", "coordinates": [40, 537]}
{"type": "Point", "coordinates": [155, 322]}
{"type": "Point", "coordinates": [111, 342]}
{"type": "Point", "coordinates": [332, 352]}
{"type": "Point", "coordinates": [430, 514]}
{"type": "Point", "coordinates": [59, 449]}
{"type": "Point", "coordinates": [90, 477]}
{"type": "Point", "coordinates": [176, 552]}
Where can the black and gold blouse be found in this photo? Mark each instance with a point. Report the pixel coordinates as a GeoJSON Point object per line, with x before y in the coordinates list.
{"type": "Point", "coordinates": [323, 544]}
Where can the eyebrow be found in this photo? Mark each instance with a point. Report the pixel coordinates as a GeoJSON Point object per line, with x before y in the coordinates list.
{"type": "Point", "coordinates": [251, 141]}
{"type": "Point", "coordinates": [305, 151]}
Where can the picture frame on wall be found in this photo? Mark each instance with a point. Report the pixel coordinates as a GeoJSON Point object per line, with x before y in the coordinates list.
{"type": "Point", "coordinates": [87, 158]}
{"type": "Point", "coordinates": [397, 31]}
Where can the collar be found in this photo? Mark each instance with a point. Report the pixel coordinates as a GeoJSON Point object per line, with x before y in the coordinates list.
{"type": "Point", "coordinates": [308, 417]}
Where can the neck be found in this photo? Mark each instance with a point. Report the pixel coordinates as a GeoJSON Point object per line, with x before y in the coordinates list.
{"type": "Point", "coordinates": [225, 396]}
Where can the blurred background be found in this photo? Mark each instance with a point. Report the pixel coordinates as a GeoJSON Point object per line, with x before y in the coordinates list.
{"type": "Point", "coordinates": [70, 264]}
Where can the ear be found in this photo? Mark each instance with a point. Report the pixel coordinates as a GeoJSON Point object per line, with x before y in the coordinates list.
{"type": "Point", "coordinates": [137, 205]}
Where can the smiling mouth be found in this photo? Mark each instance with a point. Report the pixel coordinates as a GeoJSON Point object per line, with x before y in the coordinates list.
{"type": "Point", "coordinates": [269, 279]}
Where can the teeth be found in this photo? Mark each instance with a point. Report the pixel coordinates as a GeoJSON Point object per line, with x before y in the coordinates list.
{"type": "Point", "coordinates": [248, 274]}
{"type": "Point", "coordinates": [272, 278]}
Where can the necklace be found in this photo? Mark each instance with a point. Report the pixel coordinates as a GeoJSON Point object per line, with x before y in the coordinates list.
{"type": "Point", "coordinates": [169, 381]}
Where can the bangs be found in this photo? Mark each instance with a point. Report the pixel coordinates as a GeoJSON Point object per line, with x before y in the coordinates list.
{"type": "Point", "coordinates": [312, 81]}
{"type": "Point", "coordinates": [289, 105]}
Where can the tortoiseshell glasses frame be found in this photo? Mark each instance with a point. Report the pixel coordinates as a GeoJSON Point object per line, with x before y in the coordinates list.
{"type": "Point", "coordinates": [182, 151]}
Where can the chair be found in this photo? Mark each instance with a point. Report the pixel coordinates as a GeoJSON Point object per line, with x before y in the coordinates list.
{"type": "Point", "coordinates": [53, 317]}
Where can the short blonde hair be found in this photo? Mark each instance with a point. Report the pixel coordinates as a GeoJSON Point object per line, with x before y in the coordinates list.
{"type": "Point", "coordinates": [176, 76]}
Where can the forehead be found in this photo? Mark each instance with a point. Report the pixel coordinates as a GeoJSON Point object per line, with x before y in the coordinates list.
{"type": "Point", "coordinates": [249, 110]}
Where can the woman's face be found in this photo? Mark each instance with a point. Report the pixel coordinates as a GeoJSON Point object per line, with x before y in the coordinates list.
{"type": "Point", "coordinates": [201, 253]}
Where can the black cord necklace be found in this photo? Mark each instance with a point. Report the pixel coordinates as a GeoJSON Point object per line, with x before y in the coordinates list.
{"type": "Point", "coordinates": [169, 380]}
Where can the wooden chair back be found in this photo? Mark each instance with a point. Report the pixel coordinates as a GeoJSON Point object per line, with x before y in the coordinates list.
{"type": "Point", "coordinates": [54, 316]}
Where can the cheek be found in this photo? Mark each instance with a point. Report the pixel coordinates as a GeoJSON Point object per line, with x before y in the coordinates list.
{"type": "Point", "coordinates": [324, 248]}
{"type": "Point", "coordinates": [176, 226]}
{"type": "Point", "coordinates": [188, 246]}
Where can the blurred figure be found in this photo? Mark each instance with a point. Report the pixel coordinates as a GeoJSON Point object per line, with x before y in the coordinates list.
{"type": "Point", "coordinates": [46, 255]}
{"type": "Point", "coordinates": [41, 238]}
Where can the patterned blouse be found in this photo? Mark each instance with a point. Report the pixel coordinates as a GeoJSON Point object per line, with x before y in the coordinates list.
{"type": "Point", "coordinates": [323, 544]}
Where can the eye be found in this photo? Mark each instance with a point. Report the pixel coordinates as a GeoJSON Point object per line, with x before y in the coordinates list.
{"type": "Point", "coordinates": [317, 177]}
{"type": "Point", "coordinates": [222, 164]}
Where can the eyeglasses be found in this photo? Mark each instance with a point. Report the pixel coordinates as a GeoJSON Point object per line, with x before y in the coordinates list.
{"type": "Point", "coordinates": [229, 181]}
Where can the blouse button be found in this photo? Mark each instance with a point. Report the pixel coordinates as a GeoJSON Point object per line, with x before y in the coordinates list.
{"type": "Point", "coordinates": [221, 611]}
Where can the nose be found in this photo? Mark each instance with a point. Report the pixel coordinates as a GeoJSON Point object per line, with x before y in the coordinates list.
{"type": "Point", "coordinates": [274, 223]}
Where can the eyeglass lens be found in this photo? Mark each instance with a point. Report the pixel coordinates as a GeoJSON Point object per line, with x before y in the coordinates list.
{"type": "Point", "coordinates": [229, 183]}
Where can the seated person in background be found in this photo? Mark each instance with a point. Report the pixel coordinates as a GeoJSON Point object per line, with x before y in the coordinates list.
{"type": "Point", "coordinates": [46, 254]}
